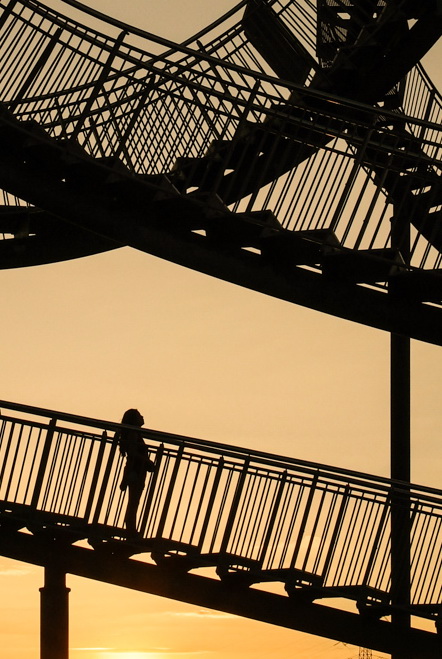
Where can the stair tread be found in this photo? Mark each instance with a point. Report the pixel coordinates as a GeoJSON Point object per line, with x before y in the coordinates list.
{"type": "Point", "coordinates": [362, 265]}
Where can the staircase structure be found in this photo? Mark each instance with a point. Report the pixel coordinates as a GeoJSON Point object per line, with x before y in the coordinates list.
{"type": "Point", "coordinates": [216, 521]}
{"type": "Point", "coordinates": [320, 186]}
{"type": "Point", "coordinates": [310, 172]}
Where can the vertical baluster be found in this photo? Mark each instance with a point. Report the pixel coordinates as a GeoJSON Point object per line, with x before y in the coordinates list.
{"type": "Point", "coordinates": [380, 532]}
{"type": "Point", "coordinates": [97, 87]}
{"type": "Point", "coordinates": [151, 490]}
{"type": "Point", "coordinates": [84, 467]}
{"type": "Point", "coordinates": [313, 530]}
{"type": "Point", "coordinates": [49, 495]}
{"type": "Point", "coordinates": [6, 455]}
{"type": "Point", "coordinates": [23, 462]}
{"type": "Point", "coordinates": [36, 69]}
{"type": "Point", "coordinates": [336, 531]}
{"type": "Point", "coordinates": [6, 12]}
{"type": "Point", "coordinates": [92, 491]}
{"type": "Point", "coordinates": [14, 461]}
{"type": "Point", "coordinates": [125, 137]}
{"type": "Point", "coordinates": [192, 502]}
{"type": "Point", "coordinates": [304, 520]}
{"type": "Point", "coordinates": [30, 466]}
{"type": "Point", "coordinates": [272, 520]}
{"type": "Point", "coordinates": [210, 503]}
{"type": "Point", "coordinates": [179, 502]}
{"type": "Point", "coordinates": [423, 544]}
{"type": "Point", "coordinates": [168, 498]}
{"type": "Point", "coordinates": [43, 463]}
{"type": "Point", "coordinates": [199, 505]}
{"type": "Point", "coordinates": [105, 482]}
{"type": "Point", "coordinates": [233, 510]}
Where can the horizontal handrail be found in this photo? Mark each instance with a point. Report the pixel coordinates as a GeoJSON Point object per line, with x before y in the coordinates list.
{"type": "Point", "coordinates": [229, 449]}
{"type": "Point", "coordinates": [269, 517]}
{"type": "Point", "coordinates": [197, 99]}
{"type": "Point", "coordinates": [203, 56]}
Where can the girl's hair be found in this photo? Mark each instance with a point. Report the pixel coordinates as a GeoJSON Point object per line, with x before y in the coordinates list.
{"type": "Point", "coordinates": [131, 417]}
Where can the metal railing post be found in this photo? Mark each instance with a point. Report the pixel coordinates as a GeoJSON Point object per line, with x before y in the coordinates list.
{"type": "Point", "coordinates": [304, 519]}
{"type": "Point", "coordinates": [95, 476]}
{"type": "Point", "coordinates": [104, 483]}
{"type": "Point", "coordinates": [36, 69]}
{"type": "Point", "coordinates": [210, 503]}
{"type": "Point", "coordinates": [98, 85]}
{"type": "Point", "coordinates": [271, 524]}
{"type": "Point", "coordinates": [6, 453]}
{"type": "Point", "coordinates": [152, 486]}
{"type": "Point", "coordinates": [124, 138]}
{"type": "Point", "coordinates": [6, 12]}
{"type": "Point", "coordinates": [168, 498]}
{"type": "Point", "coordinates": [234, 507]}
{"type": "Point", "coordinates": [43, 463]}
{"type": "Point", "coordinates": [376, 542]}
{"type": "Point", "coordinates": [335, 534]}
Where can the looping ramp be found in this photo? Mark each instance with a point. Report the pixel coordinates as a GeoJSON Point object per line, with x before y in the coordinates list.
{"type": "Point", "coordinates": [310, 171]}
{"type": "Point", "coordinates": [292, 147]}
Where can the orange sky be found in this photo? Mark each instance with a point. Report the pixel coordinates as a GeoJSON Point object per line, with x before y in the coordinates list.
{"type": "Point", "coordinates": [198, 357]}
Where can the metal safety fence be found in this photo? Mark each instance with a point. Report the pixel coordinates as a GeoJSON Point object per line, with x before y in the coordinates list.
{"type": "Point", "coordinates": [266, 518]}
{"type": "Point", "coordinates": [222, 127]}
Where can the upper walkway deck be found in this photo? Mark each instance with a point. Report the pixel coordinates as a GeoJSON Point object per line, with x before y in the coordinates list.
{"type": "Point", "coordinates": [318, 185]}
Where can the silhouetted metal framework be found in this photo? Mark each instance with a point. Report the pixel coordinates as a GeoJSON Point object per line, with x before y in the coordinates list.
{"type": "Point", "coordinates": [310, 171]}
{"type": "Point", "coordinates": [244, 516]}
{"type": "Point", "coordinates": [292, 147]}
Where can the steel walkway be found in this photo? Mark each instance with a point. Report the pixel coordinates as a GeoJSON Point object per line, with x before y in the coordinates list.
{"type": "Point", "coordinates": [310, 172]}
{"type": "Point", "coordinates": [321, 187]}
{"type": "Point", "coordinates": [215, 521]}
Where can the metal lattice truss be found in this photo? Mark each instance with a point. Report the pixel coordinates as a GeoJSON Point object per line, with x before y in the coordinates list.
{"type": "Point", "coordinates": [318, 160]}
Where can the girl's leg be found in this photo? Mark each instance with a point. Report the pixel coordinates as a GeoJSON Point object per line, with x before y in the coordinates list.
{"type": "Point", "coordinates": [132, 507]}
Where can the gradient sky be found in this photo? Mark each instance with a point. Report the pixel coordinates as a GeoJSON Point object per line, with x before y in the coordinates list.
{"type": "Point", "coordinates": [204, 358]}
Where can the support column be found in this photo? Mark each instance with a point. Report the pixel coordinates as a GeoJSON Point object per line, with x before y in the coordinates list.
{"type": "Point", "coordinates": [400, 447]}
{"type": "Point", "coordinates": [54, 615]}
{"type": "Point", "coordinates": [400, 470]}
{"type": "Point", "coordinates": [400, 408]}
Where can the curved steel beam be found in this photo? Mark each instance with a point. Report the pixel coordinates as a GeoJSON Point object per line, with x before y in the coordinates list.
{"type": "Point", "coordinates": [194, 589]}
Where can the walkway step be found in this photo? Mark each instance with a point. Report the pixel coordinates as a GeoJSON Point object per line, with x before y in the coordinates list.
{"type": "Point", "coordinates": [140, 190]}
{"type": "Point", "coordinates": [95, 171]}
{"type": "Point", "coordinates": [418, 285]}
{"type": "Point", "coordinates": [289, 59]}
{"type": "Point", "coordinates": [242, 229]}
{"type": "Point", "coordinates": [286, 249]}
{"type": "Point", "coordinates": [367, 266]}
{"type": "Point", "coordinates": [197, 172]}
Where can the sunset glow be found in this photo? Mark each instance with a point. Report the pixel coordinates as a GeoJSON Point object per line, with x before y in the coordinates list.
{"type": "Point", "coordinates": [202, 358]}
{"type": "Point", "coordinates": [131, 655]}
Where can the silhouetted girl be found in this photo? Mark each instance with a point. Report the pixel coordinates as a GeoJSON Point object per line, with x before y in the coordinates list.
{"type": "Point", "coordinates": [138, 463]}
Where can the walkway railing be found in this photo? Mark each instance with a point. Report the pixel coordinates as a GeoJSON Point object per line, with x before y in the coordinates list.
{"type": "Point", "coordinates": [322, 531]}
{"type": "Point", "coordinates": [339, 164]}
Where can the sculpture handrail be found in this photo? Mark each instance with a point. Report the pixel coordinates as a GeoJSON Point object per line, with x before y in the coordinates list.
{"type": "Point", "coordinates": [184, 49]}
{"type": "Point", "coordinates": [321, 530]}
{"type": "Point", "coordinates": [167, 112]}
{"type": "Point", "coordinates": [209, 445]}
{"type": "Point", "coordinates": [207, 104]}
{"type": "Point", "coordinates": [257, 104]}
{"type": "Point", "coordinates": [223, 149]}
